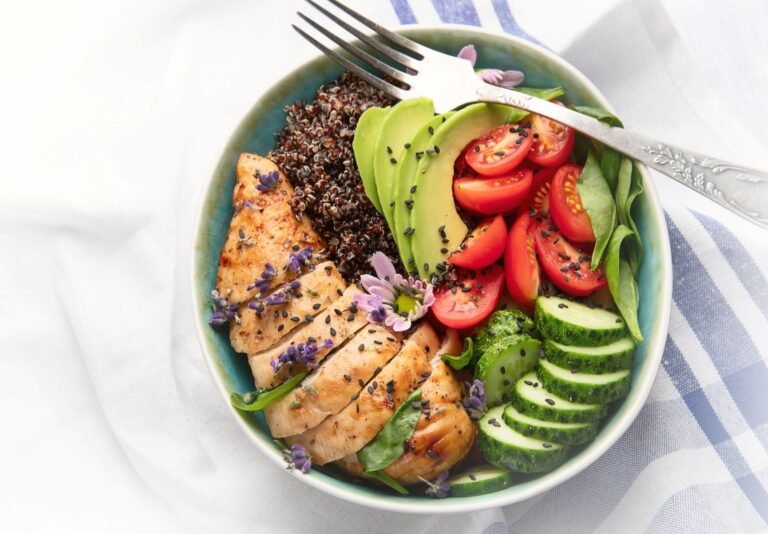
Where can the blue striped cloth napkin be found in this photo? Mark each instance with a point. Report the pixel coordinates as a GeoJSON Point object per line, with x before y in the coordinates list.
{"type": "Point", "coordinates": [695, 459]}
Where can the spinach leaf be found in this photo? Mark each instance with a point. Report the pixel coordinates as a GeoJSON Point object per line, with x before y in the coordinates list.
{"type": "Point", "coordinates": [546, 94]}
{"type": "Point", "coordinates": [389, 443]}
{"type": "Point", "coordinates": [599, 114]}
{"type": "Point", "coordinates": [261, 398]}
{"type": "Point", "coordinates": [384, 478]}
{"type": "Point", "coordinates": [628, 188]}
{"type": "Point", "coordinates": [462, 360]}
{"type": "Point", "coordinates": [599, 205]}
{"type": "Point", "coordinates": [621, 281]}
{"type": "Point", "coordinates": [610, 162]}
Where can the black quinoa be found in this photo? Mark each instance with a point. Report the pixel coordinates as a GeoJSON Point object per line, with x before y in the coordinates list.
{"type": "Point", "coordinates": [314, 150]}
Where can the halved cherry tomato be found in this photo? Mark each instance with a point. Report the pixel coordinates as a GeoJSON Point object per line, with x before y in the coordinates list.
{"type": "Point", "coordinates": [565, 265]}
{"type": "Point", "coordinates": [538, 197]}
{"type": "Point", "coordinates": [500, 150]}
{"type": "Point", "coordinates": [552, 141]}
{"type": "Point", "coordinates": [566, 208]}
{"type": "Point", "coordinates": [489, 196]}
{"type": "Point", "coordinates": [483, 246]}
{"type": "Point", "coordinates": [520, 265]}
{"type": "Point", "coordinates": [464, 309]}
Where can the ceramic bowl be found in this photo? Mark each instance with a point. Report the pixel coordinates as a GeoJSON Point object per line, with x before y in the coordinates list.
{"type": "Point", "coordinates": [255, 134]}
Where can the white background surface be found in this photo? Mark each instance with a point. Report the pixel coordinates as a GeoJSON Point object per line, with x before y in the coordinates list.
{"type": "Point", "coordinates": [111, 116]}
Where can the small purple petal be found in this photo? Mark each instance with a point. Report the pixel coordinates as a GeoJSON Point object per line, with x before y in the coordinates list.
{"type": "Point", "coordinates": [492, 76]}
{"type": "Point", "coordinates": [511, 79]}
{"type": "Point", "coordinates": [383, 266]}
{"type": "Point", "coordinates": [469, 53]}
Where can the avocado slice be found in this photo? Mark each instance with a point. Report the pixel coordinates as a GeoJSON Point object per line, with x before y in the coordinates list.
{"type": "Point", "coordinates": [405, 177]}
{"type": "Point", "coordinates": [397, 129]}
{"type": "Point", "coordinates": [437, 226]}
{"type": "Point", "coordinates": [366, 134]}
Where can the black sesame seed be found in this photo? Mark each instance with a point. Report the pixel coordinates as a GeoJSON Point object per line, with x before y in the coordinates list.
{"type": "Point", "coordinates": [546, 445]}
{"type": "Point", "coordinates": [389, 149]}
{"type": "Point", "coordinates": [361, 347]}
{"type": "Point", "coordinates": [392, 160]}
{"type": "Point", "coordinates": [327, 319]}
{"type": "Point", "coordinates": [333, 331]}
{"type": "Point", "coordinates": [477, 148]}
{"type": "Point", "coordinates": [350, 318]}
{"type": "Point", "coordinates": [472, 477]}
{"type": "Point", "coordinates": [296, 319]}
{"type": "Point", "coordinates": [437, 149]}
{"type": "Point", "coordinates": [361, 382]}
{"type": "Point", "coordinates": [280, 327]}
{"type": "Point", "coordinates": [413, 189]}
{"type": "Point", "coordinates": [432, 454]}
{"type": "Point", "coordinates": [527, 382]}
{"type": "Point", "coordinates": [407, 145]}
{"type": "Point", "coordinates": [370, 390]}
{"type": "Point", "coordinates": [562, 305]}
{"type": "Point", "coordinates": [431, 130]}
{"type": "Point", "coordinates": [339, 292]}
{"type": "Point", "coordinates": [347, 378]}
{"type": "Point", "coordinates": [316, 306]}
{"type": "Point", "coordinates": [503, 370]}
{"type": "Point", "coordinates": [550, 402]}
{"type": "Point", "coordinates": [409, 231]}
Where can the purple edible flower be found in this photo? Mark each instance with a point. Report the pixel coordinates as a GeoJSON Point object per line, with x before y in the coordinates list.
{"type": "Point", "coordinates": [297, 260]}
{"type": "Point", "coordinates": [263, 281]}
{"type": "Point", "coordinates": [475, 402]}
{"type": "Point", "coordinates": [267, 182]}
{"type": "Point", "coordinates": [283, 296]}
{"type": "Point", "coordinates": [223, 311]}
{"type": "Point", "coordinates": [303, 353]}
{"type": "Point", "coordinates": [297, 457]}
{"type": "Point", "coordinates": [440, 488]}
{"type": "Point", "coordinates": [508, 79]}
{"type": "Point", "coordinates": [391, 298]}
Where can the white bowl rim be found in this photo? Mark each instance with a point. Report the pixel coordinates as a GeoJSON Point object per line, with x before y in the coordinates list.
{"type": "Point", "coordinates": [654, 350]}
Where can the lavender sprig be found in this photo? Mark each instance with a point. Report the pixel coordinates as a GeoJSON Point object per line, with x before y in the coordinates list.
{"type": "Point", "coordinates": [297, 260]}
{"type": "Point", "coordinates": [297, 457]}
{"type": "Point", "coordinates": [303, 353]}
{"type": "Point", "coordinates": [267, 182]}
{"type": "Point", "coordinates": [284, 295]}
{"type": "Point", "coordinates": [263, 281]}
{"type": "Point", "coordinates": [440, 488]}
{"type": "Point", "coordinates": [475, 402]}
{"type": "Point", "coordinates": [223, 311]}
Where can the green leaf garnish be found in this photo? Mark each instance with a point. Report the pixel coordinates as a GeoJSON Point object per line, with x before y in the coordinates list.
{"type": "Point", "coordinates": [389, 443]}
{"type": "Point", "coordinates": [261, 398]}
{"type": "Point", "coordinates": [462, 360]}
{"type": "Point", "coordinates": [599, 204]}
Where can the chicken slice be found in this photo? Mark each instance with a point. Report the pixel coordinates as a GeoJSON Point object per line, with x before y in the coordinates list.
{"type": "Point", "coordinates": [339, 322]}
{"type": "Point", "coordinates": [257, 332]}
{"type": "Point", "coordinates": [444, 434]}
{"type": "Point", "coordinates": [329, 388]}
{"type": "Point", "coordinates": [263, 230]}
{"type": "Point", "coordinates": [349, 430]}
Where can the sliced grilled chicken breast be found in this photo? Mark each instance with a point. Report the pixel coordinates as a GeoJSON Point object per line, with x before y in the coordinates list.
{"type": "Point", "coordinates": [444, 434]}
{"type": "Point", "coordinates": [358, 423]}
{"type": "Point", "coordinates": [263, 230]}
{"type": "Point", "coordinates": [330, 387]}
{"type": "Point", "coordinates": [257, 332]}
{"type": "Point", "coordinates": [338, 322]}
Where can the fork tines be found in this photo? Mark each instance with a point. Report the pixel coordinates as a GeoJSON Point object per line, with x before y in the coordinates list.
{"type": "Point", "coordinates": [409, 63]}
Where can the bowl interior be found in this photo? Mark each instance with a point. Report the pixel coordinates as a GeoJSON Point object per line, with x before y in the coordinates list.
{"type": "Point", "coordinates": [256, 134]}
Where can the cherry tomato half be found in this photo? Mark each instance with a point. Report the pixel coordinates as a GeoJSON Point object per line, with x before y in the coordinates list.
{"type": "Point", "coordinates": [464, 309]}
{"type": "Point", "coordinates": [483, 246]}
{"type": "Point", "coordinates": [489, 196]}
{"type": "Point", "coordinates": [552, 141]}
{"type": "Point", "coordinates": [500, 150]}
{"type": "Point", "coordinates": [538, 197]}
{"type": "Point", "coordinates": [520, 267]}
{"type": "Point", "coordinates": [565, 265]}
{"type": "Point", "coordinates": [566, 208]}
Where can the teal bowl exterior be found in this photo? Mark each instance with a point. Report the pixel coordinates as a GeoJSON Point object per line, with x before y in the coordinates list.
{"type": "Point", "coordinates": [256, 134]}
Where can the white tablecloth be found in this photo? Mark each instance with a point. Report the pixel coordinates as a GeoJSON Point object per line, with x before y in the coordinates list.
{"type": "Point", "coordinates": [111, 118]}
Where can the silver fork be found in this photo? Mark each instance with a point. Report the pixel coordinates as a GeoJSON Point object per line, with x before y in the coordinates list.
{"type": "Point", "coordinates": [451, 82]}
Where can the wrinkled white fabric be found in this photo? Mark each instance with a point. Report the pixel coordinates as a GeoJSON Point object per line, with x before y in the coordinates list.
{"type": "Point", "coordinates": [112, 117]}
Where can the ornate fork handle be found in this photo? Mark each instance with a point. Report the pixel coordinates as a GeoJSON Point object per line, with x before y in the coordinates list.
{"type": "Point", "coordinates": [741, 190]}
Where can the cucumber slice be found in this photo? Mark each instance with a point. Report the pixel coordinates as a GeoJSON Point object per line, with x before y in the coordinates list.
{"type": "Point", "coordinates": [612, 357]}
{"type": "Point", "coordinates": [533, 400]}
{"type": "Point", "coordinates": [583, 387]}
{"type": "Point", "coordinates": [503, 363]}
{"type": "Point", "coordinates": [508, 448]}
{"type": "Point", "coordinates": [565, 433]}
{"type": "Point", "coordinates": [573, 323]}
{"type": "Point", "coordinates": [479, 481]}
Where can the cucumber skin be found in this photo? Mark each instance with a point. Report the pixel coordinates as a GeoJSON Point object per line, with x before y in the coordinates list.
{"type": "Point", "coordinates": [551, 413]}
{"type": "Point", "coordinates": [565, 437]}
{"type": "Point", "coordinates": [582, 392]}
{"type": "Point", "coordinates": [569, 334]}
{"type": "Point", "coordinates": [503, 455]}
{"type": "Point", "coordinates": [481, 487]}
{"type": "Point", "coordinates": [588, 364]}
{"type": "Point", "coordinates": [493, 353]}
